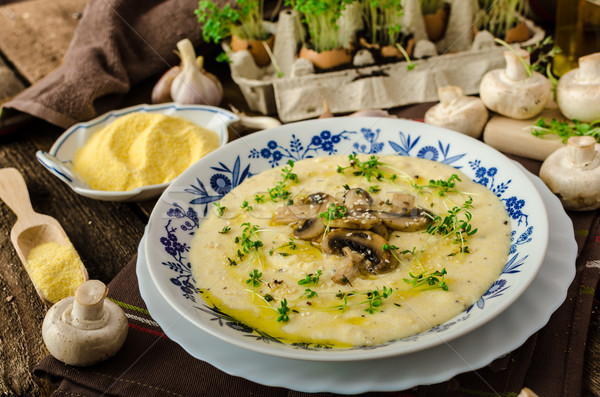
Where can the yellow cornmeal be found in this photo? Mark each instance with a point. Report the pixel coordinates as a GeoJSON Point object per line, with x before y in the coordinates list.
{"type": "Point", "coordinates": [141, 149]}
{"type": "Point", "coordinates": [55, 269]}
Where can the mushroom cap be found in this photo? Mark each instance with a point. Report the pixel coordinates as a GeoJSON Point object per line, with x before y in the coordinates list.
{"type": "Point", "coordinates": [368, 244]}
{"type": "Point", "coordinates": [307, 208]}
{"type": "Point", "coordinates": [363, 220]}
{"type": "Point", "coordinates": [517, 99]}
{"type": "Point", "coordinates": [464, 114]}
{"type": "Point", "coordinates": [578, 99]}
{"type": "Point", "coordinates": [75, 346]}
{"type": "Point", "coordinates": [309, 229]}
{"type": "Point", "coordinates": [357, 200]}
{"type": "Point", "coordinates": [413, 220]}
{"type": "Point", "coordinates": [575, 182]}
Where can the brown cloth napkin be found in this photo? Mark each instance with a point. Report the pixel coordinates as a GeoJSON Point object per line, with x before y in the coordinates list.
{"type": "Point", "coordinates": [550, 362]}
{"type": "Point", "coordinates": [117, 44]}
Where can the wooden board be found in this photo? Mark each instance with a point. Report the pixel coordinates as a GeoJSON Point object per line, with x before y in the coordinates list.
{"type": "Point", "coordinates": [36, 34]}
{"type": "Point", "coordinates": [514, 136]}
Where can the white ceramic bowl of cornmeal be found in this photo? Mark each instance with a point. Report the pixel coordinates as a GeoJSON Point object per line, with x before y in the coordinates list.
{"type": "Point", "coordinates": [59, 160]}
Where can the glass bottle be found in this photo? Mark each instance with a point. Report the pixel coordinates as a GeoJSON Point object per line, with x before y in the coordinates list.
{"type": "Point", "coordinates": [577, 32]}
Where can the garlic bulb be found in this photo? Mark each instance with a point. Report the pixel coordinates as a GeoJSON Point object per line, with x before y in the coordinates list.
{"type": "Point", "coordinates": [193, 85]}
{"type": "Point", "coordinates": [161, 92]}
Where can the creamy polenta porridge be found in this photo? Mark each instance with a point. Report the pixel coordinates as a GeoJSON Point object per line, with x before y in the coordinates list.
{"type": "Point", "coordinates": [351, 250]}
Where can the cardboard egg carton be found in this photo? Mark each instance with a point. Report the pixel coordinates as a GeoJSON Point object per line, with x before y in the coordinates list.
{"type": "Point", "coordinates": [460, 58]}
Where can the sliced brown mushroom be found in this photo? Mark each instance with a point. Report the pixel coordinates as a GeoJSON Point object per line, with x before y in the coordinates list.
{"type": "Point", "coordinates": [362, 220]}
{"type": "Point", "coordinates": [370, 245]}
{"type": "Point", "coordinates": [404, 215]}
{"type": "Point", "coordinates": [415, 219]}
{"type": "Point", "coordinates": [402, 202]}
{"type": "Point", "coordinates": [358, 200]}
{"type": "Point", "coordinates": [348, 267]}
{"type": "Point", "coordinates": [309, 229]}
{"type": "Point", "coordinates": [307, 208]}
{"type": "Point", "coordinates": [382, 230]}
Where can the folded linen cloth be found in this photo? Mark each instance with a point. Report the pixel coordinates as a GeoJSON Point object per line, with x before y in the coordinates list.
{"type": "Point", "coordinates": [550, 362]}
{"type": "Point", "coordinates": [116, 45]}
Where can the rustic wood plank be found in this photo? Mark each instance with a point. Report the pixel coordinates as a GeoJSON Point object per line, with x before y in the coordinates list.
{"type": "Point", "coordinates": [36, 34]}
{"type": "Point", "coordinates": [105, 234]}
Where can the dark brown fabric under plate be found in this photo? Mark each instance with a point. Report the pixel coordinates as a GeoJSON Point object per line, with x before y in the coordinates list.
{"type": "Point", "coordinates": [550, 362]}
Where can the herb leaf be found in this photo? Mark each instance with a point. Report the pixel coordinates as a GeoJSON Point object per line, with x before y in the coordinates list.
{"type": "Point", "coordinates": [565, 129]}
{"type": "Point", "coordinates": [425, 281]}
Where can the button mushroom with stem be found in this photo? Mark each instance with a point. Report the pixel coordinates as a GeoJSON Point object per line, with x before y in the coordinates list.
{"type": "Point", "coordinates": [517, 91]}
{"type": "Point", "coordinates": [573, 173]}
{"type": "Point", "coordinates": [578, 90]}
{"type": "Point", "coordinates": [85, 329]}
{"type": "Point", "coordinates": [458, 112]}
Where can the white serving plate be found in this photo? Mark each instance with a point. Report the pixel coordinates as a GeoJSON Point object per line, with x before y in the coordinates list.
{"type": "Point", "coordinates": [59, 159]}
{"type": "Point", "coordinates": [184, 204]}
{"type": "Point", "coordinates": [470, 352]}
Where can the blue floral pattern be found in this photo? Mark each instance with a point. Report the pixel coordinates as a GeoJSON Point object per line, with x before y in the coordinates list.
{"type": "Point", "coordinates": [221, 183]}
{"type": "Point", "coordinates": [324, 142]}
{"type": "Point", "coordinates": [441, 153]}
{"type": "Point", "coordinates": [372, 146]}
{"type": "Point", "coordinates": [184, 219]}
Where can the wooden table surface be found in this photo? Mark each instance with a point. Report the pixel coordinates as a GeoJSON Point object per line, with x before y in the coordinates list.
{"type": "Point", "coordinates": [106, 234]}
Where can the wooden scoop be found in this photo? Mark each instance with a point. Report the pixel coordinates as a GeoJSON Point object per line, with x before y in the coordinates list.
{"type": "Point", "coordinates": [31, 228]}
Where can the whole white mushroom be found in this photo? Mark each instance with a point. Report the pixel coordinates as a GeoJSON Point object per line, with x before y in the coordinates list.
{"type": "Point", "coordinates": [85, 329]}
{"type": "Point", "coordinates": [573, 173]}
{"type": "Point", "coordinates": [458, 112]}
{"type": "Point", "coordinates": [512, 92]}
{"type": "Point", "coordinates": [578, 90]}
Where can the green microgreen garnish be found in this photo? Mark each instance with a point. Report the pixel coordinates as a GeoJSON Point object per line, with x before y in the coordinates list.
{"type": "Point", "coordinates": [334, 211]}
{"type": "Point", "coordinates": [254, 279]}
{"type": "Point", "coordinates": [220, 208]}
{"type": "Point", "coordinates": [249, 241]}
{"type": "Point", "coordinates": [280, 192]}
{"type": "Point", "coordinates": [225, 230]}
{"type": "Point", "coordinates": [260, 198]}
{"type": "Point", "coordinates": [452, 225]}
{"type": "Point", "coordinates": [565, 129]}
{"type": "Point", "coordinates": [287, 173]}
{"type": "Point", "coordinates": [245, 206]}
{"type": "Point", "coordinates": [425, 281]}
{"type": "Point", "coordinates": [443, 187]}
{"type": "Point", "coordinates": [283, 311]}
{"type": "Point", "coordinates": [231, 262]}
{"type": "Point", "coordinates": [369, 169]}
{"type": "Point", "coordinates": [311, 278]}
{"type": "Point", "coordinates": [268, 298]}
{"type": "Point", "coordinates": [375, 299]}
{"type": "Point", "coordinates": [291, 245]}
{"type": "Point", "coordinates": [374, 189]}
{"type": "Point", "coordinates": [309, 293]}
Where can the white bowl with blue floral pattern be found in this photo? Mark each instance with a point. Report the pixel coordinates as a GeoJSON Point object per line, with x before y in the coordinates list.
{"type": "Point", "coordinates": [59, 159]}
{"type": "Point", "coordinates": [190, 197]}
